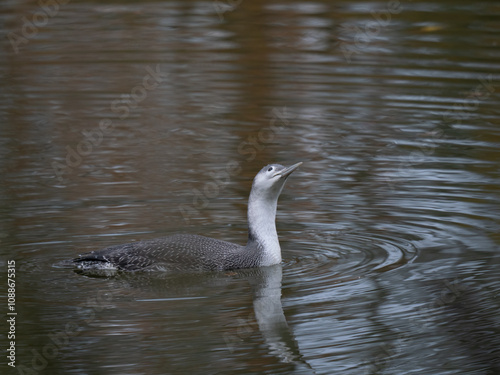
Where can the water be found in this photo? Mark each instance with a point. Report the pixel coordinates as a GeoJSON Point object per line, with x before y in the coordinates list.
{"type": "Point", "coordinates": [128, 120]}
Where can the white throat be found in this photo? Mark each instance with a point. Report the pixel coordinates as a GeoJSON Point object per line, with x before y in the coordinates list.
{"type": "Point", "coordinates": [262, 228]}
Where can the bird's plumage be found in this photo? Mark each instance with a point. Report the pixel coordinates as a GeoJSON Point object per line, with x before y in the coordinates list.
{"type": "Point", "coordinates": [173, 253]}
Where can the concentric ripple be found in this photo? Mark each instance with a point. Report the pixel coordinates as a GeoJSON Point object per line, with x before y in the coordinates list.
{"type": "Point", "coordinates": [348, 255]}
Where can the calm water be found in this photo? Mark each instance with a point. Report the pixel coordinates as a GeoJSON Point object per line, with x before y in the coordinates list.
{"type": "Point", "coordinates": [129, 120]}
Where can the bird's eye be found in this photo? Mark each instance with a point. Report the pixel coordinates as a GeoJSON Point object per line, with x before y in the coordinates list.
{"type": "Point", "coordinates": [270, 169]}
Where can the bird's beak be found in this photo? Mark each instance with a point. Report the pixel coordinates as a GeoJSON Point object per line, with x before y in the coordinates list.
{"type": "Point", "coordinates": [287, 171]}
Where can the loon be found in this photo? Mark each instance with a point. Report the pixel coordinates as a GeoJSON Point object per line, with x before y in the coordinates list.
{"type": "Point", "coordinates": [193, 252]}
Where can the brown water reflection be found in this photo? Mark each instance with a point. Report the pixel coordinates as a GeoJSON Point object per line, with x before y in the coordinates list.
{"type": "Point", "coordinates": [127, 120]}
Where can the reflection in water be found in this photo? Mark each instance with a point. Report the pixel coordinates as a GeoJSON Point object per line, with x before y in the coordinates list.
{"type": "Point", "coordinates": [271, 319]}
{"type": "Point", "coordinates": [267, 315]}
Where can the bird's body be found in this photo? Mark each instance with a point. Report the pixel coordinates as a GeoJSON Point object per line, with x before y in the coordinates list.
{"type": "Point", "coordinates": [173, 253]}
{"type": "Point", "coordinates": [192, 252]}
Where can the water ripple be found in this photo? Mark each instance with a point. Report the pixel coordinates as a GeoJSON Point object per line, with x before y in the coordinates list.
{"type": "Point", "coordinates": [348, 255]}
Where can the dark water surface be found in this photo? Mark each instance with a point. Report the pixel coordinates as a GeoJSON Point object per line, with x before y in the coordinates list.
{"type": "Point", "coordinates": [126, 120]}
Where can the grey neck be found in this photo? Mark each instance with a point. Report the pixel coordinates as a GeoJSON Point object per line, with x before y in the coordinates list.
{"type": "Point", "coordinates": [262, 228]}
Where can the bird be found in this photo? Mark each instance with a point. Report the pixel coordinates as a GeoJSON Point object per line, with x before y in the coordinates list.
{"type": "Point", "coordinates": [185, 252]}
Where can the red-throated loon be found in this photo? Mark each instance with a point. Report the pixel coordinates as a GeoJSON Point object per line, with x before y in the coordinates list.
{"type": "Point", "coordinates": [193, 252]}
